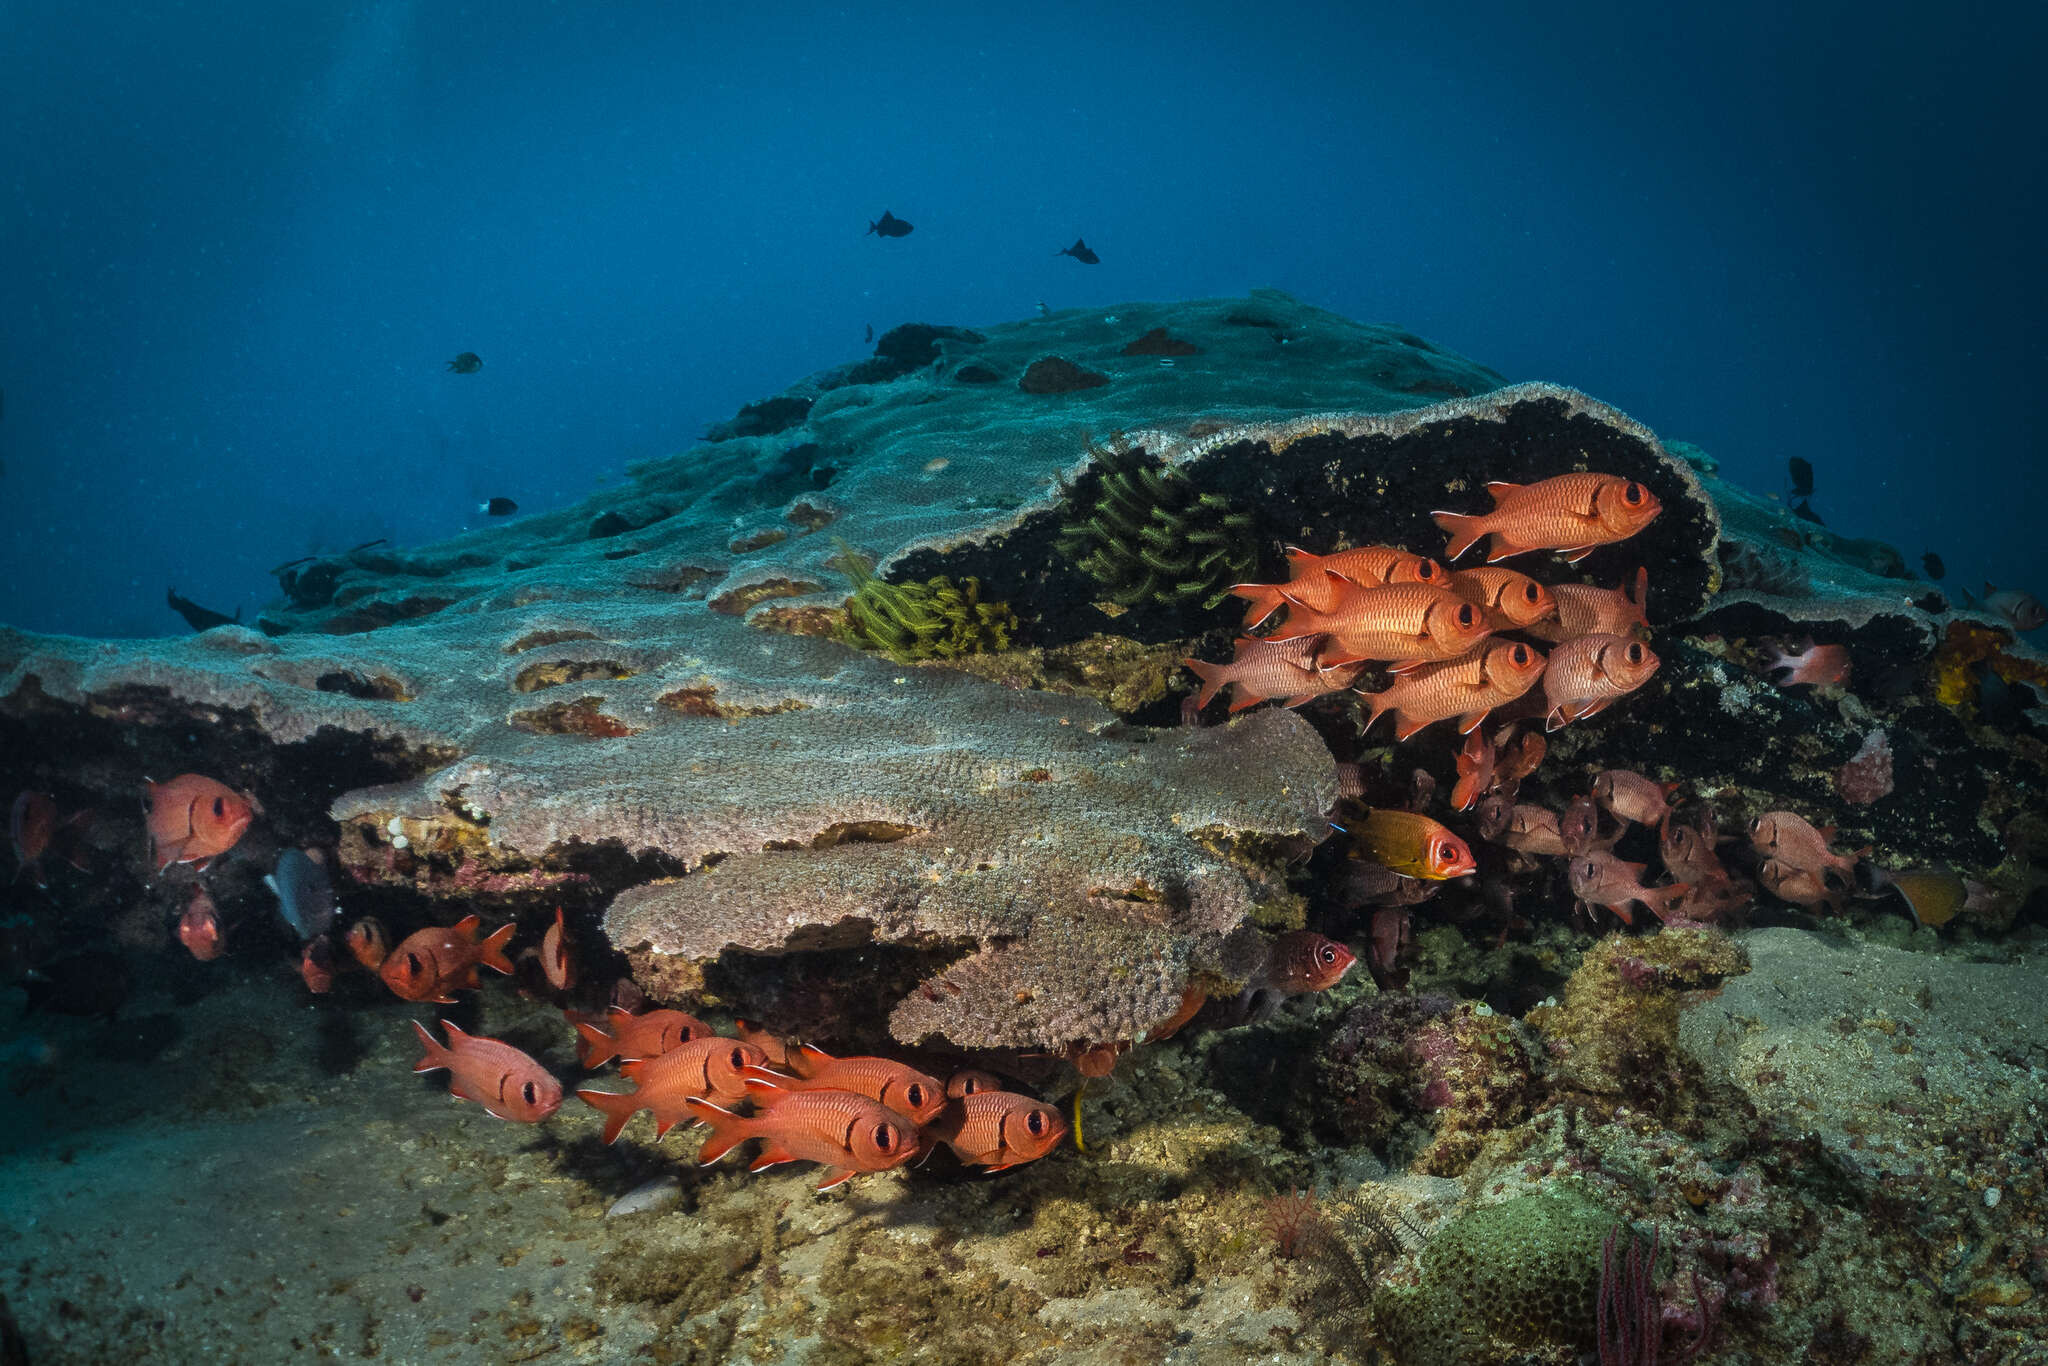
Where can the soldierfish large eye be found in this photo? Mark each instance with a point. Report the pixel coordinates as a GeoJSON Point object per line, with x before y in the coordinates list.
{"type": "Point", "coordinates": [1326, 954]}
{"type": "Point", "coordinates": [415, 966]}
{"type": "Point", "coordinates": [914, 1093]}
{"type": "Point", "coordinates": [1443, 851]}
{"type": "Point", "coordinates": [739, 1059]}
{"type": "Point", "coordinates": [1635, 653]}
{"type": "Point", "coordinates": [1520, 654]}
{"type": "Point", "coordinates": [1632, 493]}
{"type": "Point", "coordinates": [1531, 594]}
{"type": "Point", "coordinates": [885, 1137]}
{"type": "Point", "coordinates": [530, 1094]}
{"type": "Point", "coordinates": [220, 807]}
{"type": "Point", "coordinates": [1035, 1123]}
{"type": "Point", "coordinates": [1426, 571]}
{"type": "Point", "coordinates": [1467, 614]}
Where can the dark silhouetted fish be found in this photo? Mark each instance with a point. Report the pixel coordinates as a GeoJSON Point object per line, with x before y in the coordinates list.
{"type": "Point", "coordinates": [94, 983]}
{"type": "Point", "coordinates": [1080, 252]}
{"type": "Point", "coordinates": [1804, 509]}
{"type": "Point", "coordinates": [1802, 476]}
{"type": "Point", "coordinates": [468, 363]}
{"type": "Point", "coordinates": [200, 618]}
{"type": "Point", "coordinates": [305, 894]}
{"type": "Point", "coordinates": [889, 225]}
{"type": "Point", "coordinates": [498, 507]}
{"type": "Point", "coordinates": [1931, 562]}
{"type": "Point", "coordinates": [871, 334]}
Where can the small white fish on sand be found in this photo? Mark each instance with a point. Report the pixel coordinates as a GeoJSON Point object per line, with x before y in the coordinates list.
{"type": "Point", "coordinates": [662, 1193]}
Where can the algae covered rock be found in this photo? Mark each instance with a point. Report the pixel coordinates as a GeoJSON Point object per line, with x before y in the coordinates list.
{"type": "Point", "coordinates": [1515, 1281]}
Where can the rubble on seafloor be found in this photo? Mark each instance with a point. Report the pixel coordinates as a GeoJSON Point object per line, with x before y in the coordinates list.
{"type": "Point", "coordinates": [989, 834]}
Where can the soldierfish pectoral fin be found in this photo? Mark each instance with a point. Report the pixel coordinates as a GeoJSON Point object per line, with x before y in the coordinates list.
{"type": "Point", "coordinates": [834, 1176]}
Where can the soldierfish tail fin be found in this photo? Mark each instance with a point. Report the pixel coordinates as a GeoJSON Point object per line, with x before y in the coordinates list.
{"type": "Point", "coordinates": [491, 952]}
{"type": "Point", "coordinates": [1377, 704]}
{"type": "Point", "coordinates": [1213, 676]}
{"type": "Point", "coordinates": [435, 1056]}
{"type": "Point", "coordinates": [1463, 529]}
{"type": "Point", "coordinates": [728, 1130]}
{"type": "Point", "coordinates": [616, 1106]}
{"type": "Point", "coordinates": [807, 1059]}
{"type": "Point", "coordinates": [1265, 600]}
{"type": "Point", "coordinates": [599, 1047]}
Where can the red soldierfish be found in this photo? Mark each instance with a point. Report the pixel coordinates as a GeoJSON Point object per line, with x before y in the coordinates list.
{"type": "Point", "coordinates": [1265, 669]}
{"type": "Point", "coordinates": [622, 1034]}
{"type": "Point", "coordinates": [1821, 666]}
{"type": "Point", "coordinates": [370, 942]}
{"type": "Point", "coordinates": [1800, 886]}
{"type": "Point", "coordinates": [1467, 687]}
{"type": "Point", "coordinates": [1534, 830]}
{"type": "Point", "coordinates": [845, 1132]}
{"type": "Point", "coordinates": [969, 1080]}
{"type": "Point", "coordinates": [505, 1081]}
{"type": "Point", "coordinates": [36, 831]}
{"type": "Point", "coordinates": [316, 965]}
{"type": "Point", "coordinates": [1796, 843]}
{"type": "Point", "coordinates": [702, 1067]}
{"type": "Point", "coordinates": [1475, 769]}
{"type": "Point", "coordinates": [899, 1086]}
{"type": "Point", "coordinates": [432, 963]}
{"type": "Point", "coordinates": [998, 1129]}
{"type": "Point", "coordinates": [1601, 879]}
{"type": "Point", "coordinates": [1572, 513]}
{"type": "Point", "coordinates": [193, 819]}
{"type": "Point", "coordinates": [1317, 579]}
{"type": "Point", "coordinates": [199, 928]}
{"type": "Point", "coordinates": [1585, 675]}
{"type": "Point", "coordinates": [1404, 621]}
{"type": "Point", "coordinates": [1302, 961]}
{"type": "Point", "coordinates": [1583, 610]}
{"type": "Point", "coordinates": [773, 1045]}
{"type": "Point", "coordinates": [1511, 599]}
{"type": "Point", "coordinates": [1633, 797]}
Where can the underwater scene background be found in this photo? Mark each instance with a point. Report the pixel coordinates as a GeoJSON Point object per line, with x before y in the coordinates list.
{"type": "Point", "coordinates": [1172, 685]}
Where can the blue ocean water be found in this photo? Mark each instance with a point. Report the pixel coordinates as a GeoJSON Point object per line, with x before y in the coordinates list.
{"type": "Point", "coordinates": [240, 242]}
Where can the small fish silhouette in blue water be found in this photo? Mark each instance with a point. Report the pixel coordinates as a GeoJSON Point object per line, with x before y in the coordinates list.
{"type": "Point", "coordinates": [889, 225]}
{"type": "Point", "coordinates": [1931, 562]}
{"type": "Point", "coordinates": [1801, 471]}
{"type": "Point", "coordinates": [1080, 252]}
{"type": "Point", "coordinates": [468, 363]}
{"type": "Point", "coordinates": [498, 507]}
{"type": "Point", "coordinates": [200, 618]}
{"type": "Point", "coordinates": [870, 336]}
{"type": "Point", "coordinates": [1804, 510]}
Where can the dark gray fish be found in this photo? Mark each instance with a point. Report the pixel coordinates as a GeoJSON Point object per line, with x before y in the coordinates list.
{"type": "Point", "coordinates": [870, 336]}
{"type": "Point", "coordinates": [201, 618]}
{"type": "Point", "coordinates": [889, 225]}
{"type": "Point", "coordinates": [305, 895]}
{"type": "Point", "coordinates": [1804, 510]}
{"type": "Point", "coordinates": [1931, 562]}
{"type": "Point", "coordinates": [498, 507]}
{"type": "Point", "coordinates": [1802, 476]}
{"type": "Point", "coordinates": [1080, 252]}
{"type": "Point", "coordinates": [468, 363]}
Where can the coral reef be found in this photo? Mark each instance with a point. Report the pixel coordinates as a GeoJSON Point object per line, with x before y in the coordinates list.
{"type": "Point", "coordinates": [937, 619]}
{"type": "Point", "coordinates": [1147, 534]}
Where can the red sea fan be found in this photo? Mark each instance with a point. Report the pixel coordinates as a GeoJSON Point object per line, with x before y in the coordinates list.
{"type": "Point", "coordinates": [1868, 774]}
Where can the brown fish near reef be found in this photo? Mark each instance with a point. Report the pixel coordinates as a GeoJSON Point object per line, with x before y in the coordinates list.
{"type": "Point", "coordinates": [193, 819]}
{"type": "Point", "coordinates": [1579, 824]}
{"type": "Point", "coordinates": [1798, 843]}
{"type": "Point", "coordinates": [369, 942]}
{"type": "Point", "coordinates": [1315, 580]}
{"type": "Point", "coordinates": [2017, 606]}
{"type": "Point", "coordinates": [622, 1034]}
{"type": "Point", "coordinates": [1571, 513]}
{"type": "Point", "coordinates": [1586, 675]}
{"type": "Point", "coordinates": [844, 1132]}
{"type": "Point", "coordinates": [1413, 845]}
{"type": "Point", "coordinates": [897, 1085]}
{"type": "Point", "coordinates": [1467, 687]}
{"type": "Point", "coordinates": [34, 827]}
{"type": "Point", "coordinates": [711, 1066]}
{"type": "Point", "coordinates": [1820, 666]}
{"type": "Point", "coordinates": [1511, 599]}
{"type": "Point", "coordinates": [1518, 758]}
{"type": "Point", "coordinates": [1264, 669]}
{"type": "Point", "coordinates": [505, 1081]}
{"type": "Point", "coordinates": [998, 1129]}
{"type": "Point", "coordinates": [1632, 797]}
{"type": "Point", "coordinates": [1600, 879]}
{"type": "Point", "coordinates": [1933, 895]}
{"type": "Point", "coordinates": [557, 955]}
{"type": "Point", "coordinates": [1403, 621]}
{"type": "Point", "coordinates": [1584, 610]}
{"type": "Point", "coordinates": [436, 961]}
{"type": "Point", "coordinates": [199, 928]}
{"type": "Point", "coordinates": [1688, 854]}
{"type": "Point", "coordinates": [1302, 961]}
